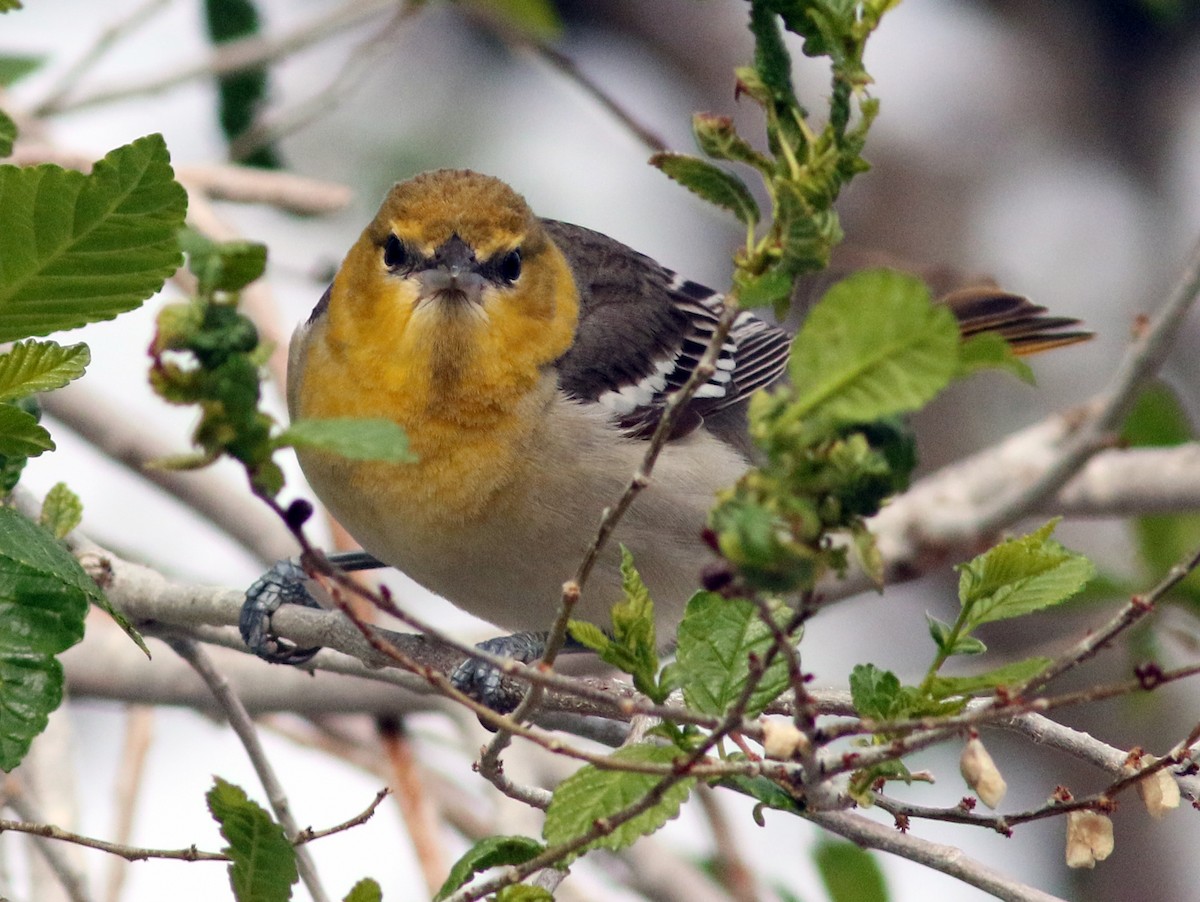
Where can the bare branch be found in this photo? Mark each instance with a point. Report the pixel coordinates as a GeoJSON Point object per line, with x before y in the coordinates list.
{"type": "Point", "coordinates": [243, 727]}
{"type": "Point", "coordinates": [947, 859]}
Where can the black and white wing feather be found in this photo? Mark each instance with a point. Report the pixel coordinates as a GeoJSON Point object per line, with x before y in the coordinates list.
{"type": "Point", "coordinates": [642, 331]}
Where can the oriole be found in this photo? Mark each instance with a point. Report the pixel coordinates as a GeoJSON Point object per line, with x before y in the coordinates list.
{"type": "Point", "coordinates": [528, 360]}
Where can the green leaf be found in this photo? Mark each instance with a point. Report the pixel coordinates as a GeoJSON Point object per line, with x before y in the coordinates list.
{"type": "Point", "coordinates": [537, 18]}
{"type": "Point", "coordinates": [490, 852]}
{"type": "Point", "coordinates": [222, 265]}
{"type": "Point", "coordinates": [874, 346]}
{"type": "Point", "coordinates": [240, 94]}
{"type": "Point", "coordinates": [521, 892]}
{"type": "Point", "coordinates": [44, 596]}
{"type": "Point", "coordinates": [766, 792]}
{"type": "Point", "coordinates": [850, 873]}
{"type": "Point", "coordinates": [772, 62]}
{"type": "Point", "coordinates": [353, 438]}
{"type": "Point", "coordinates": [29, 367]}
{"type": "Point", "coordinates": [592, 794]}
{"type": "Point", "coordinates": [1157, 420]}
{"type": "Point", "coordinates": [20, 433]}
{"type": "Point", "coordinates": [765, 290]}
{"type": "Point", "coordinates": [713, 184]}
{"type": "Point", "coordinates": [264, 862]}
{"type": "Point", "coordinates": [712, 660]}
{"type": "Point", "coordinates": [8, 134]}
{"type": "Point", "coordinates": [366, 890]}
{"type": "Point", "coordinates": [987, 350]}
{"type": "Point", "coordinates": [15, 66]}
{"type": "Point", "coordinates": [876, 693]}
{"type": "Point", "coordinates": [61, 510]}
{"type": "Point", "coordinates": [80, 248]}
{"type": "Point", "coordinates": [1020, 576]}
{"type": "Point", "coordinates": [941, 633]}
{"type": "Point", "coordinates": [1016, 674]}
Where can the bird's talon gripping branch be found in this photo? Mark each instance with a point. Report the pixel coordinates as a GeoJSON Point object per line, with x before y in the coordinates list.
{"type": "Point", "coordinates": [282, 584]}
{"type": "Point", "coordinates": [484, 682]}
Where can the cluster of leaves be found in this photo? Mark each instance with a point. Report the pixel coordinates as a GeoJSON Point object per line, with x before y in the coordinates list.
{"type": "Point", "coordinates": [834, 449]}
{"type": "Point", "coordinates": [207, 353]}
{"type": "Point", "coordinates": [75, 248]}
{"type": "Point", "coordinates": [806, 165]}
{"type": "Point", "coordinates": [1015, 578]}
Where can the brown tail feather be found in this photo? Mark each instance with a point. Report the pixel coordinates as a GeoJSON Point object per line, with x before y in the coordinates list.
{"type": "Point", "coordinates": [1023, 324]}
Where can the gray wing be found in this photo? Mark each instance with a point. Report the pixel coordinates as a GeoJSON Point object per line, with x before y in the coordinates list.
{"type": "Point", "coordinates": [642, 331]}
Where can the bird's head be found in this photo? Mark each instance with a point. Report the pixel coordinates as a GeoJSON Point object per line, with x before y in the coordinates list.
{"type": "Point", "coordinates": [455, 267]}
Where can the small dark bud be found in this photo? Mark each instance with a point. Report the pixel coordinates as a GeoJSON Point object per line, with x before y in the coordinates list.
{"type": "Point", "coordinates": [298, 513]}
{"type": "Point", "coordinates": [716, 576]}
{"type": "Point", "coordinates": [1149, 675]}
{"type": "Point", "coordinates": [709, 536]}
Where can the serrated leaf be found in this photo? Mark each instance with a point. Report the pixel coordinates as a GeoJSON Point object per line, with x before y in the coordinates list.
{"type": "Point", "coordinates": [490, 852]}
{"type": "Point", "coordinates": [15, 66]}
{"type": "Point", "coordinates": [8, 134]}
{"type": "Point", "coordinates": [1020, 576]}
{"type": "Point", "coordinates": [353, 438]}
{"type": "Point", "coordinates": [20, 433]}
{"type": "Point", "coordinates": [875, 693]}
{"type": "Point", "coordinates": [772, 62]}
{"type": "Point", "coordinates": [264, 862]}
{"type": "Point", "coordinates": [941, 633]}
{"type": "Point", "coordinates": [591, 794]}
{"type": "Point", "coordinates": [44, 595]}
{"type": "Point", "coordinates": [850, 873]}
{"type": "Point", "coordinates": [80, 248]}
{"type": "Point", "coordinates": [222, 265]}
{"type": "Point", "coordinates": [61, 510]}
{"type": "Point", "coordinates": [29, 367]}
{"type": "Point", "coordinates": [988, 351]}
{"type": "Point", "coordinates": [366, 890]}
{"type": "Point", "coordinates": [715, 641]}
{"type": "Point", "coordinates": [1016, 674]}
{"type": "Point", "coordinates": [874, 346]}
{"type": "Point", "coordinates": [711, 183]}
{"type": "Point", "coordinates": [589, 635]}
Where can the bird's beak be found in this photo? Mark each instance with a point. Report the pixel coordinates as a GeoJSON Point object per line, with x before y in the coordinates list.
{"type": "Point", "coordinates": [452, 274]}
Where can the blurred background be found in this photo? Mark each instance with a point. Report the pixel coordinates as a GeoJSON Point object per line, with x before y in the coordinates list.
{"type": "Point", "coordinates": [1054, 146]}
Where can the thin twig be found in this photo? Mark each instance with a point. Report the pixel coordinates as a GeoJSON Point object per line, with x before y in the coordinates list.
{"type": "Point", "coordinates": [243, 727]}
{"type": "Point", "coordinates": [105, 42]}
{"type": "Point", "coordinates": [270, 128]}
{"type": "Point", "coordinates": [17, 798]}
{"type": "Point", "coordinates": [569, 69]}
{"type": "Point", "coordinates": [308, 834]}
{"type": "Point", "coordinates": [234, 56]}
{"type": "Point", "coordinates": [947, 859]}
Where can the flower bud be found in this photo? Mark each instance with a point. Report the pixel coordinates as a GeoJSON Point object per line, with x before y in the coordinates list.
{"type": "Point", "coordinates": [1089, 838]}
{"type": "Point", "coordinates": [981, 773]}
{"type": "Point", "coordinates": [1159, 791]}
{"type": "Point", "coordinates": [782, 740]}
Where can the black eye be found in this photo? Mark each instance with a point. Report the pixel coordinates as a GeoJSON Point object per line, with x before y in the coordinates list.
{"type": "Point", "coordinates": [509, 268]}
{"type": "Point", "coordinates": [395, 255]}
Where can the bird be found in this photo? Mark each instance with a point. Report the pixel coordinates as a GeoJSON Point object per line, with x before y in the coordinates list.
{"type": "Point", "coordinates": [529, 360]}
